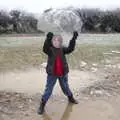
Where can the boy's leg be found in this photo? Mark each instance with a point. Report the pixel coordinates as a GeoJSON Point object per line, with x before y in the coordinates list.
{"type": "Point", "coordinates": [63, 81]}
{"type": "Point", "coordinates": [51, 80]}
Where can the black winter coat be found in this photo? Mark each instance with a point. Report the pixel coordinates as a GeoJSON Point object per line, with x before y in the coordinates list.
{"type": "Point", "coordinates": [51, 52]}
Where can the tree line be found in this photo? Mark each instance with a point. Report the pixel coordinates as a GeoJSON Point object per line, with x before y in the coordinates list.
{"type": "Point", "coordinates": [16, 21]}
{"type": "Point", "coordinates": [96, 20]}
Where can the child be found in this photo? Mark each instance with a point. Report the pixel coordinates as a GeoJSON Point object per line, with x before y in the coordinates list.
{"type": "Point", "coordinates": [57, 67]}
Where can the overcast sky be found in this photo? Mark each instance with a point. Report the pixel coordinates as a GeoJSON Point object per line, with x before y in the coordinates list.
{"type": "Point", "coordinates": [37, 6]}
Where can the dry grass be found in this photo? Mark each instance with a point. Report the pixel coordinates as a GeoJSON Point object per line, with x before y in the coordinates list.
{"type": "Point", "coordinates": [21, 57]}
{"type": "Point", "coordinates": [92, 53]}
{"type": "Point", "coordinates": [31, 55]}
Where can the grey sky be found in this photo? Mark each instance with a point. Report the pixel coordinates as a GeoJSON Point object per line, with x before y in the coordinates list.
{"type": "Point", "coordinates": [39, 5]}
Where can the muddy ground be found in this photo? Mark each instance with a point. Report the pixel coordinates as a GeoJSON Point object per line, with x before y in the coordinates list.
{"type": "Point", "coordinates": [98, 94]}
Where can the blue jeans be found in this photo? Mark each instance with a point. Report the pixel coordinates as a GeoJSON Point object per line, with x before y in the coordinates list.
{"type": "Point", "coordinates": [51, 80]}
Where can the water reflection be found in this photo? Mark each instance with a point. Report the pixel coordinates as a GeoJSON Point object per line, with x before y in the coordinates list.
{"type": "Point", "coordinates": [46, 116]}
{"type": "Point", "coordinates": [67, 112]}
{"type": "Point", "coordinates": [65, 115]}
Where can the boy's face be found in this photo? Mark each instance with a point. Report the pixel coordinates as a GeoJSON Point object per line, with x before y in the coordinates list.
{"type": "Point", "coordinates": [57, 41]}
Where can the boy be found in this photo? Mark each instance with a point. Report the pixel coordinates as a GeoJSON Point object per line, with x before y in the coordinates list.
{"type": "Point", "coordinates": [57, 67]}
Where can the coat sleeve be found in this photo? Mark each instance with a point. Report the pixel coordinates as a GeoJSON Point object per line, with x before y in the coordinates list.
{"type": "Point", "coordinates": [46, 46]}
{"type": "Point", "coordinates": [71, 46]}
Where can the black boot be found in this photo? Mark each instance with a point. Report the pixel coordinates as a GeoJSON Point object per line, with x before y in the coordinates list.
{"type": "Point", "coordinates": [72, 100]}
{"type": "Point", "coordinates": [41, 107]}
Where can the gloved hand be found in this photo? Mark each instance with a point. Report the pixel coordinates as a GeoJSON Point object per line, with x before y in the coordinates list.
{"type": "Point", "coordinates": [75, 34]}
{"type": "Point", "coordinates": [49, 36]}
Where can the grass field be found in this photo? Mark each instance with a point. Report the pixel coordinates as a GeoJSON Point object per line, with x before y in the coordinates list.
{"type": "Point", "coordinates": [25, 52]}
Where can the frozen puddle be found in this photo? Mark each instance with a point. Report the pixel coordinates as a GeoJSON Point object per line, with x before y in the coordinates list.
{"type": "Point", "coordinates": [34, 80]}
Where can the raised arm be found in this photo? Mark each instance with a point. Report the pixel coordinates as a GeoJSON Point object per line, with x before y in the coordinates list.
{"type": "Point", "coordinates": [47, 43]}
{"type": "Point", "coordinates": [72, 43]}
